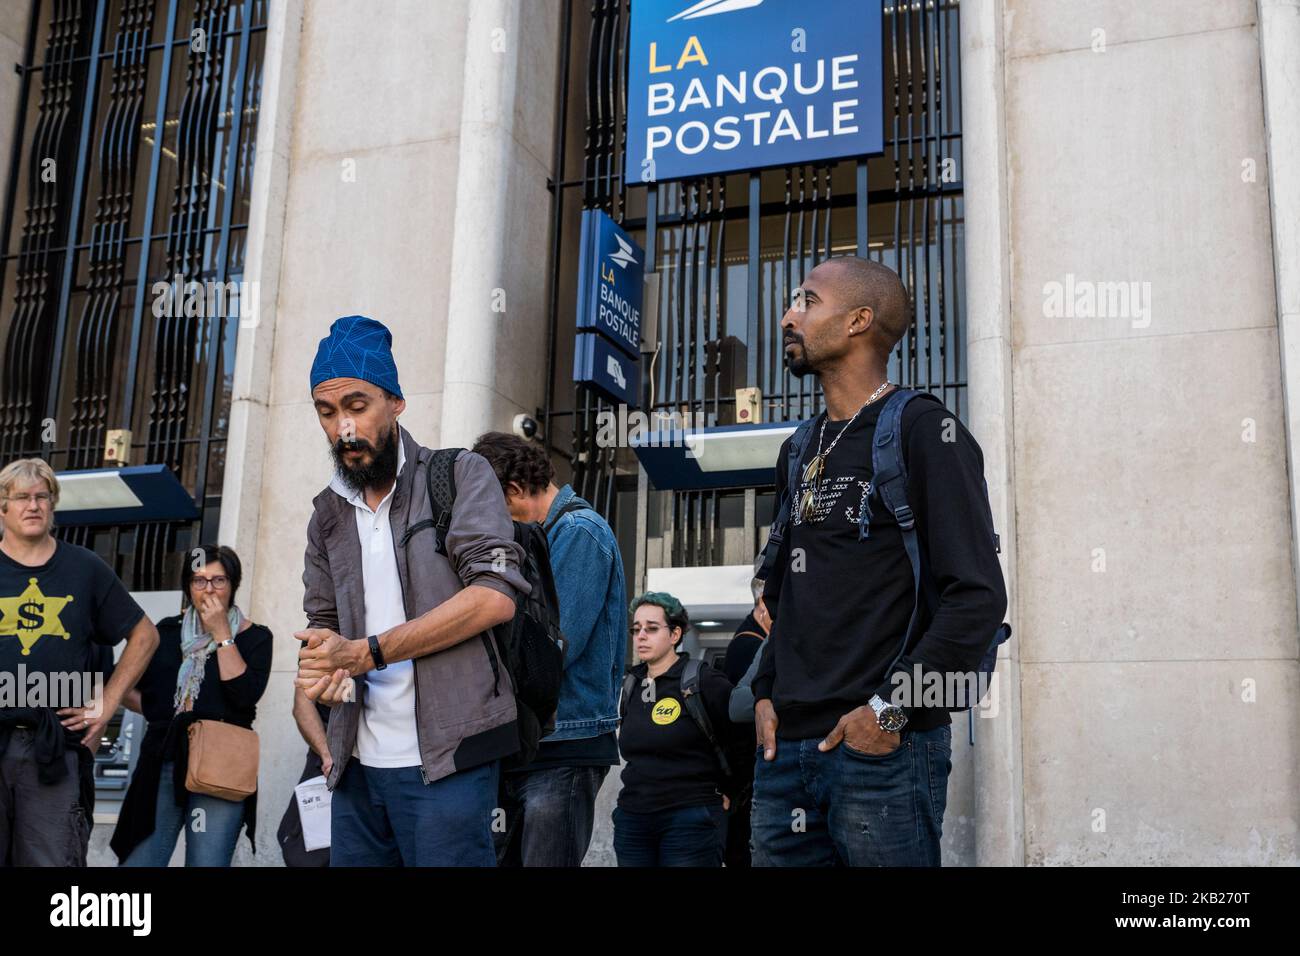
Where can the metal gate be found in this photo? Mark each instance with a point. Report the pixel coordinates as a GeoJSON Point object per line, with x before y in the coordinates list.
{"type": "Point", "coordinates": [728, 250]}
{"type": "Point", "coordinates": [132, 165]}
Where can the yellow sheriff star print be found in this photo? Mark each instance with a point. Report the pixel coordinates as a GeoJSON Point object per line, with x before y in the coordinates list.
{"type": "Point", "coordinates": [31, 616]}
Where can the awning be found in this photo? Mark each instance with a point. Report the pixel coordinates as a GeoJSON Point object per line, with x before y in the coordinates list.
{"type": "Point", "coordinates": [725, 456]}
{"type": "Point", "coordinates": [122, 496]}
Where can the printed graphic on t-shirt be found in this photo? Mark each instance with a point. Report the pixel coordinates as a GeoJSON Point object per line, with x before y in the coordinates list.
{"type": "Point", "coordinates": [32, 615]}
{"type": "Point", "coordinates": [666, 711]}
{"type": "Point", "coordinates": [844, 496]}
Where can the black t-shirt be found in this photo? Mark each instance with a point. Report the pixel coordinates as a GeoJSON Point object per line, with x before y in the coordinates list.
{"type": "Point", "coordinates": [59, 616]}
{"type": "Point", "coordinates": [670, 762]}
{"type": "Point", "coordinates": [840, 606]}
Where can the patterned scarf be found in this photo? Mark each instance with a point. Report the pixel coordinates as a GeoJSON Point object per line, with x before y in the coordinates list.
{"type": "Point", "coordinates": [196, 645]}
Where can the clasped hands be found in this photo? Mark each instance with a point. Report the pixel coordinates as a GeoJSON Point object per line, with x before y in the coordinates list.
{"type": "Point", "coordinates": [327, 665]}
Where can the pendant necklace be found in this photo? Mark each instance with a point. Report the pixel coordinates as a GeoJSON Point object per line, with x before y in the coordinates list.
{"type": "Point", "coordinates": [812, 474]}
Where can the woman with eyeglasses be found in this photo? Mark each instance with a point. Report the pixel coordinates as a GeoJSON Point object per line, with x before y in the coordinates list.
{"type": "Point", "coordinates": [212, 663]}
{"type": "Point", "coordinates": [671, 810]}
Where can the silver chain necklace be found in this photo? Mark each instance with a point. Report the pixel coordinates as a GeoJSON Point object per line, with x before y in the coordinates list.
{"type": "Point", "coordinates": [812, 474]}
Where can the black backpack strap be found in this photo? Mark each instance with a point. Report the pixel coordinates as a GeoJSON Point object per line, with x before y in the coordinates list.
{"type": "Point", "coordinates": [798, 441]}
{"type": "Point", "coordinates": [889, 481]}
{"type": "Point", "coordinates": [629, 688]}
{"type": "Point", "coordinates": [440, 477]}
{"type": "Point", "coordinates": [694, 705]}
{"type": "Point", "coordinates": [576, 505]}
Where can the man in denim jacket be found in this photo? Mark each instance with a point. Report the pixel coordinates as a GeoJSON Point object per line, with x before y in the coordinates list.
{"type": "Point", "coordinates": [550, 804]}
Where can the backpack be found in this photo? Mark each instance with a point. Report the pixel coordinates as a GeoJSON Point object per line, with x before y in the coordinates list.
{"type": "Point", "coordinates": [531, 641]}
{"type": "Point", "coordinates": [889, 482]}
{"type": "Point", "coordinates": [691, 703]}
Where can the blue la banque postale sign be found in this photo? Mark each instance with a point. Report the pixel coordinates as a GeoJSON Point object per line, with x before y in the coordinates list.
{"type": "Point", "coordinates": [722, 85]}
{"type": "Point", "coordinates": [611, 290]}
{"type": "Point", "coordinates": [612, 284]}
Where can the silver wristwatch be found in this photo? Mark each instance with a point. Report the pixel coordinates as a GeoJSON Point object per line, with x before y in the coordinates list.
{"type": "Point", "coordinates": [891, 717]}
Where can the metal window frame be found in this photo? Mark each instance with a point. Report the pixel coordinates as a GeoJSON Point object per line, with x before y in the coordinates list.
{"type": "Point", "coordinates": [924, 243]}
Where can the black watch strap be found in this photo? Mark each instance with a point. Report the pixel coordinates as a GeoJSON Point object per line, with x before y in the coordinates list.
{"type": "Point", "coordinates": [375, 653]}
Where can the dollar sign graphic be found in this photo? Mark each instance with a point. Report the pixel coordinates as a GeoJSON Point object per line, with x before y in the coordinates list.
{"type": "Point", "coordinates": [31, 615]}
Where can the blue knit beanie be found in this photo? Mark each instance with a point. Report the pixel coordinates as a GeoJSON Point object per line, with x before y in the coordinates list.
{"type": "Point", "coordinates": [357, 347]}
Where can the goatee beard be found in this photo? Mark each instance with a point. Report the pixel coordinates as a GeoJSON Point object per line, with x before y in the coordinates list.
{"type": "Point", "coordinates": [798, 366]}
{"type": "Point", "coordinates": [378, 473]}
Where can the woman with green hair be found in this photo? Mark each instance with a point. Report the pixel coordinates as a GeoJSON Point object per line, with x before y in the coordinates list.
{"type": "Point", "coordinates": [671, 810]}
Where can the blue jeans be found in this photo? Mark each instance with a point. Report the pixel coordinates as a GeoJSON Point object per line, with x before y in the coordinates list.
{"type": "Point", "coordinates": [211, 827]}
{"type": "Point", "coordinates": [549, 816]}
{"type": "Point", "coordinates": [687, 836]}
{"type": "Point", "coordinates": [845, 808]}
{"type": "Point", "coordinates": [388, 816]}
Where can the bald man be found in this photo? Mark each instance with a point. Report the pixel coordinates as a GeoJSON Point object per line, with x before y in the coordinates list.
{"type": "Point", "coordinates": [850, 775]}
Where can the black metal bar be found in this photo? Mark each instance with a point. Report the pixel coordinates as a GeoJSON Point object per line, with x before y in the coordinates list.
{"type": "Point", "coordinates": [215, 353]}
{"type": "Point", "coordinates": [16, 149]}
{"type": "Point", "coordinates": [151, 200]}
{"type": "Point", "coordinates": [151, 48]}
{"type": "Point", "coordinates": [754, 272]}
{"type": "Point", "coordinates": [74, 214]}
{"type": "Point", "coordinates": [557, 210]}
{"type": "Point", "coordinates": [861, 223]}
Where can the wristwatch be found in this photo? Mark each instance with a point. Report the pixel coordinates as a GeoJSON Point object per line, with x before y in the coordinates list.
{"type": "Point", "coordinates": [891, 717]}
{"type": "Point", "coordinates": [375, 654]}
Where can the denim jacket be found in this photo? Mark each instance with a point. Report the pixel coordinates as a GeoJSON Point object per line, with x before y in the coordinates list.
{"type": "Point", "coordinates": [593, 616]}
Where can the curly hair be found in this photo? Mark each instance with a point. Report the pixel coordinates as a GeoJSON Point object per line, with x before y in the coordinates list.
{"type": "Point", "coordinates": [674, 613]}
{"type": "Point", "coordinates": [515, 459]}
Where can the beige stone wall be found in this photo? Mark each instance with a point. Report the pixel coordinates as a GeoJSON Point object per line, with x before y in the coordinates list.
{"type": "Point", "coordinates": [1155, 595]}
{"type": "Point", "coordinates": [362, 206]}
{"type": "Point", "coordinates": [14, 17]}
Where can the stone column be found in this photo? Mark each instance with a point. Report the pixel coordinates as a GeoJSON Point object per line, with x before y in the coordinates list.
{"type": "Point", "coordinates": [14, 19]}
{"type": "Point", "coordinates": [496, 314]}
{"type": "Point", "coordinates": [241, 490]}
{"type": "Point", "coordinates": [1279, 42]}
{"type": "Point", "coordinates": [999, 786]}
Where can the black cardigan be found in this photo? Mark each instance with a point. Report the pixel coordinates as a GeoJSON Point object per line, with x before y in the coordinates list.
{"type": "Point", "coordinates": [167, 737]}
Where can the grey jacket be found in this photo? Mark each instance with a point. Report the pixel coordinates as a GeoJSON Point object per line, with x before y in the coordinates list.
{"type": "Point", "coordinates": [465, 708]}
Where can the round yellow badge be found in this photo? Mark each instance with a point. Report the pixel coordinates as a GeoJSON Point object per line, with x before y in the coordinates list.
{"type": "Point", "coordinates": [665, 711]}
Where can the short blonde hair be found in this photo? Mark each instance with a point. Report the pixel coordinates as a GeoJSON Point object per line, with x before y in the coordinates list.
{"type": "Point", "coordinates": [28, 470]}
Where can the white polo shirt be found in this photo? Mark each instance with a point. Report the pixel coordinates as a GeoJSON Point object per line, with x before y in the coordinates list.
{"type": "Point", "coordinates": [386, 736]}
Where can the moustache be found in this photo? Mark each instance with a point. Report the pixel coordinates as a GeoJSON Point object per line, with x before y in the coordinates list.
{"type": "Point", "coordinates": [354, 444]}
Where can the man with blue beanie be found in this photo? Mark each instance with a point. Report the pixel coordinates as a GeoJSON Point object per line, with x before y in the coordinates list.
{"type": "Point", "coordinates": [399, 640]}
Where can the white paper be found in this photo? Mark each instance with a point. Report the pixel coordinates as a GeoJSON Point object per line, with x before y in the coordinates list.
{"type": "Point", "coordinates": [314, 811]}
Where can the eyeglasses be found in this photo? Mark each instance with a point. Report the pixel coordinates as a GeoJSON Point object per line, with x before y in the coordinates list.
{"type": "Point", "coordinates": [42, 498]}
{"type": "Point", "coordinates": [217, 584]}
{"type": "Point", "coordinates": [650, 629]}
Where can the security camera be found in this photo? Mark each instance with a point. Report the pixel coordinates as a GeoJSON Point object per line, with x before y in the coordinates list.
{"type": "Point", "coordinates": [525, 426]}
